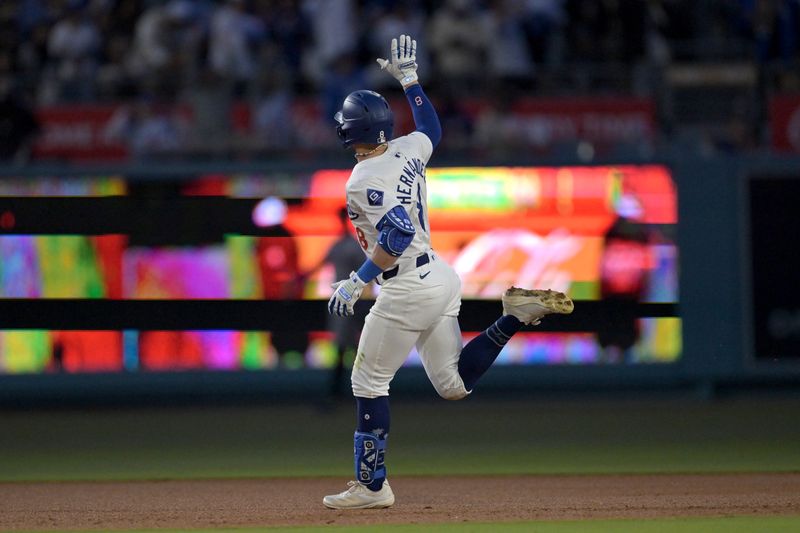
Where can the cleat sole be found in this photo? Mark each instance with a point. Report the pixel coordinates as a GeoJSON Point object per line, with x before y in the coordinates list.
{"type": "Point", "coordinates": [554, 301]}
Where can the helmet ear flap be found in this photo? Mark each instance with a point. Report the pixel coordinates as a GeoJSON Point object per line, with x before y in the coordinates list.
{"type": "Point", "coordinates": [341, 132]}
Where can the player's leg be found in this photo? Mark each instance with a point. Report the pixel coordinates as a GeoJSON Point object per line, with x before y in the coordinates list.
{"type": "Point", "coordinates": [439, 348]}
{"type": "Point", "coordinates": [439, 345]}
{"type": "Point", "coordinates": [520, 306]}
{"type": "Point", "coordinates": [454, 370]}
{"type": "Point", "coordinates": [381, 351]}
{"type": "Point", "coordinates": [479, 353]}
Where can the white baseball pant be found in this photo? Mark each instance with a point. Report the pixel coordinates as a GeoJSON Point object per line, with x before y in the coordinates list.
{"type": "Point", "coordinates": [418, 307]}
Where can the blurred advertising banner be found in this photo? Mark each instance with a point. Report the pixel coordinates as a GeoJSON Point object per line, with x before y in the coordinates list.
{"type": "Point", "coordinates": [542, 123]}
{"type": "Point", "coordinates": [774, 226]}
{"type": "Point", "coordinates": [785, 119]}
{"type": "Point", "coordinates": [114, 132]}
{"type": "Point", "coordinates": [598, 233]}
{"type": "Point", "coordinates": [79, 132]}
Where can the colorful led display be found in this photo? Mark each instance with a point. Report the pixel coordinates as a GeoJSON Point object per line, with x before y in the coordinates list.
{"type": "Point", "coordinates": [593, 232]}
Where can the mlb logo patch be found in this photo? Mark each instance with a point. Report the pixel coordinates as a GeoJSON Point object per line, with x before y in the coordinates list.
{"type": "Point", "coordinates": [374, 197]}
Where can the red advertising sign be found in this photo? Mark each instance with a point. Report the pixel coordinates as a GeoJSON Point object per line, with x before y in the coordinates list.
{"type": "Point", "coordinates": [79, 132]}
{"type": "Point", "coordinates": [98, 132]}
{"type": "Point", "coordinates": [784, 113]}
{"type": "Point", "coordinates": [543, 122]}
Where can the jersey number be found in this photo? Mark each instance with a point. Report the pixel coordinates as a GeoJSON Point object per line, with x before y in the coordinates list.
{"type": "Point", "coordinates": [362, 239]}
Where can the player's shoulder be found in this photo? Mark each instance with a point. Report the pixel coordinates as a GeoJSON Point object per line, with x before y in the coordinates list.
{"type": "Point", "coordinates": [415, 140]}
{"type": "Point", "coordinates": [415, 144]}
{"type": "Point", "coordinates": [361, 176]}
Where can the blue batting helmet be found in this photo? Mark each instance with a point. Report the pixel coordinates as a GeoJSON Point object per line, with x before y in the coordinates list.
{"type": "Point", "coordinates": [365, 118]}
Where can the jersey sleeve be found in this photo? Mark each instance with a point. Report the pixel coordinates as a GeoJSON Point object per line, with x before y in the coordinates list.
{"type": "Point", "coordinates": [373, 199]}
{"type": "Point", "coordinates": [420, 144]}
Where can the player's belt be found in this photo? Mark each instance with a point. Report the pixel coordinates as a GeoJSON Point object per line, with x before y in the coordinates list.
{"type": "Point", "coordinates": [423, 259]}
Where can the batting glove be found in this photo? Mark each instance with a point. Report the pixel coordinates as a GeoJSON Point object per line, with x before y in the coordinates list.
{"type": "Point", "coordinates": [403, 61]}
{"type": "Point", "coordinates": [345, 295]}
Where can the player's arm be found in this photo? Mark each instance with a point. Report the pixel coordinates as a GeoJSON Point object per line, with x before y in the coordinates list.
{"type": "Point", "coordinates": [382, 259]}
{"type": "Point", "coordinates": [396, 233]}
{"type": "Point", "coordinates": [403, 66]}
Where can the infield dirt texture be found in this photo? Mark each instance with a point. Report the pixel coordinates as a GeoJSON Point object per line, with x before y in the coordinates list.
{"type": "Point", "coordinates": [479, 461]}
{"type": "Point", "coordinates": [207, 504]}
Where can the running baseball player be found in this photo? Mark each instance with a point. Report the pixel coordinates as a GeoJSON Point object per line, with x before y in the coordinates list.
{"type": "Point", "coordinates": [420, 293]}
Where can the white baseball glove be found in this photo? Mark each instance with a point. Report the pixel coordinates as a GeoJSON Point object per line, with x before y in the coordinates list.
{"type": "Point", "coordinates": [345, 294]}
{"type": "Point", "coordinates": [402, 64]}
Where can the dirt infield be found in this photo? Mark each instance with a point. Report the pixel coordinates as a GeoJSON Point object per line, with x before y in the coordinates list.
{"type": "Point", "coordinates": [262, 502]}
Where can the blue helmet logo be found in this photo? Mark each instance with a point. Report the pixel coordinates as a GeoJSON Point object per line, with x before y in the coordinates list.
{"type": "Point", "coordinates": [365, 118]}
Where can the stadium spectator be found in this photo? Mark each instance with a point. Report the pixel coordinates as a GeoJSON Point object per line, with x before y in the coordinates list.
{"type": "Point", "coordinates": [509, 57]}
{"type": "Point", "coordinates": [234, 34]}
{"type": "Point", "coordinates": [400, 19]}
{"type": "Point", "coordinates": [458, 41]}
{"type": "Point", "coordinates": [542, 23]}
{"type": "Point", "coordinates": [118, 18]}
{"type": "Point", "coordinates": [117, 22]}
{"type": "Point", "coordinates": [273, 90]}
{"type": "Point", "coordinates": [31, 14]}
{"type": "Point", "coordinates": [31, 59]}
{"type": "Point", "coordinates": [73, 46]}
{"type": "Point", "coordinates": [150, 128]}
{"type": "Point", "coordinates": [272, 119]}
{"type": "Point", "coordinates": [773, 28]}
{"type": "Point", "coordinates": [155, 57]}
{"type": "Point", "coordinates": [329, 18]}
{"type": "Point", "coordinates": [288, 30]}
{"type": "Point", "coordinates": [112, 78]}
{"type": "Point", "coordinates": [344, 76]}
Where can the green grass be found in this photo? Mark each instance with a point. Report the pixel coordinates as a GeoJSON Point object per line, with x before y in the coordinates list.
{"type": "Point", "coordinates": [739, 524]}
{"type": "Point", "coordinates": [477, 436]}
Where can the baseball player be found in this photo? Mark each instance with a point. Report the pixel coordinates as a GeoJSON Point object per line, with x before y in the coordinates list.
{"type": "Point", "coordinates": [420, 293]}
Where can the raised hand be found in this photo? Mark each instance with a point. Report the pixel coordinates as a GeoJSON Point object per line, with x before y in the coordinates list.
{"type": "Point", "coordinates": [402, 62]}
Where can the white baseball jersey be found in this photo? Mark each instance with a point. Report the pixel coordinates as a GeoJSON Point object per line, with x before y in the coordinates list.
{"type": "Point", "coordinates": [396, 177]}
{"type": "Point", "coordinates": [418, 306]}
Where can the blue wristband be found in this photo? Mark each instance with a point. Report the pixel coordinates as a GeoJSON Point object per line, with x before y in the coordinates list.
{"type": "Point", "coordinates": [368, 271]}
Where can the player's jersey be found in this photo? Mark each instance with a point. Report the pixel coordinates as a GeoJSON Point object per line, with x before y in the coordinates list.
{"type": "Point", "coordinates": [396, 177]}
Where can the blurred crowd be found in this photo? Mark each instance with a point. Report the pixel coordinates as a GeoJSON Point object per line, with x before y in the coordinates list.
{"type": "Point", "coordinates": [85, 50]}
{"type": "Point", "coordinates": [203, 52]}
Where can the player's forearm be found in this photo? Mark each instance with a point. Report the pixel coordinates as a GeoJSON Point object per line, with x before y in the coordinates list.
{"type": "Point", "coordinates": [374, 266]}
{"type": "Point", "coordinates": [425, 117]}
{"type": "Point", "coordinates": [383, 259]}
